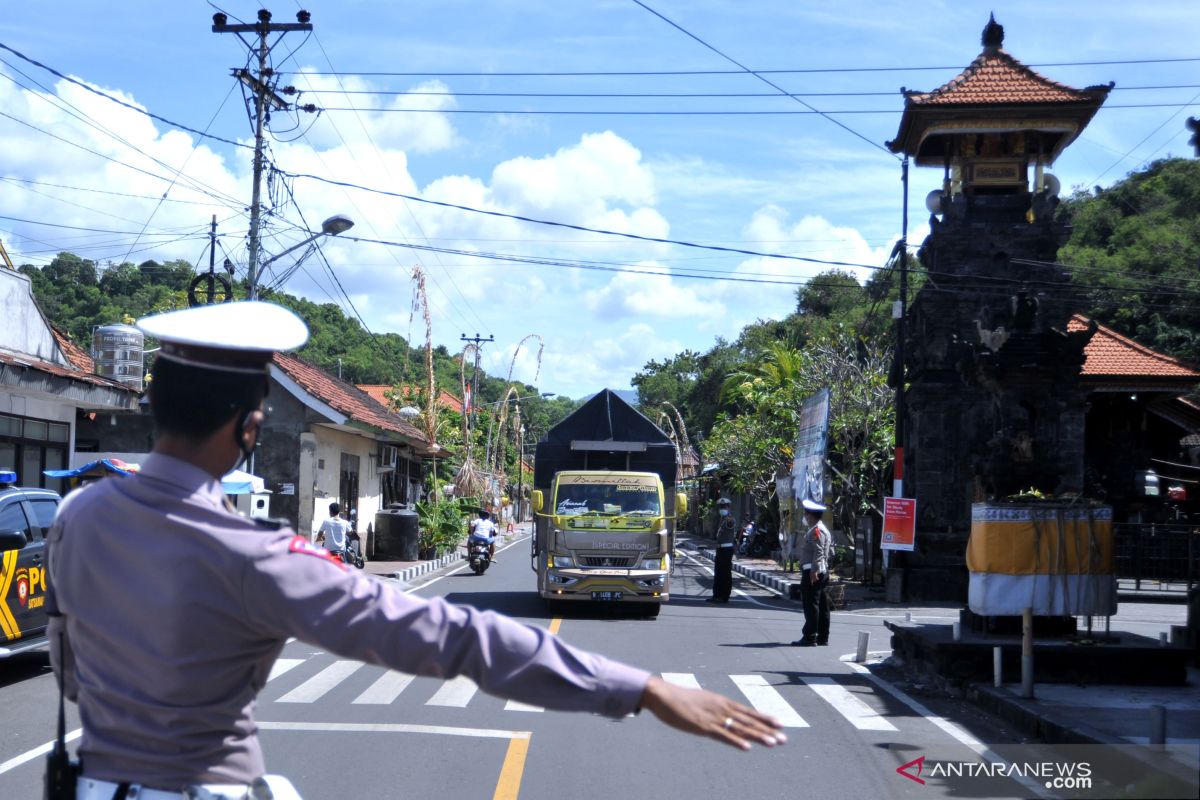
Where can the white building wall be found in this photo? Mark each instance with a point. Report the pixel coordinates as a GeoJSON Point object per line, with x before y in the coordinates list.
{"type": "Point", "coordinates": [330, 445]}
{"type": "Point", "coordinates": [24, 330]}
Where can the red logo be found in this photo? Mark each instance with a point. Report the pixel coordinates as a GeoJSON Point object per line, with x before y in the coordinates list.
{"type": "Point", "coordinates": [22, 586]}
{"type": "Point", "coordinates": [918, 763]}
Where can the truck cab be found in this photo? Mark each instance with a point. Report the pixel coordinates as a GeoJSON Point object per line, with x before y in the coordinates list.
{"type": "Point", "coordinates": [604, 536]}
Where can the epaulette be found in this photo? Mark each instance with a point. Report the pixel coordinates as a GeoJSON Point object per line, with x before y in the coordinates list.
{"type": "Point", "coordinates": [271, 523]}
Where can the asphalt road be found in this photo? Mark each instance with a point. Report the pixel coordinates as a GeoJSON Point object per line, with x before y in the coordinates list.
{"type": "Point", "coordinates": [339, 728]}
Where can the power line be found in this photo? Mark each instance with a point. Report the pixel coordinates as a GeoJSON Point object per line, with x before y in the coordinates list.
{"type": "Point", "coordinates": [407, 207]}
{"type": "Point", "coordinates": [569, 226]}
{"type": "Point", "coordinates": [692, 72]}
{"type": "Point", "coordinates": [119, 102]}
{"type": "Point", "coordinates": [650, 95]}
{"type": "Point", "coordinates": [594, 112]}
{"type": "Point", "coordinates": [14, 179]}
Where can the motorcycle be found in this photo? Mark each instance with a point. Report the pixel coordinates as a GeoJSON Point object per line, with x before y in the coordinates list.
{"type": "Point", "coordinates": [755, 543]}
{"type": "Point", "coordinates": [478, 557]}
{"type": "Point", "coordinates": [352, 555]}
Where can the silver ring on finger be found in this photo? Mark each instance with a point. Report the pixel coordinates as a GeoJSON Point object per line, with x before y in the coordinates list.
{"type": "Point", "coordinates": [729, 723]}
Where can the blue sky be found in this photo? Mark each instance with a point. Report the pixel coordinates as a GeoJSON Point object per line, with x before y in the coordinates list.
{"type": "Point", "coordinates": [790, 183]}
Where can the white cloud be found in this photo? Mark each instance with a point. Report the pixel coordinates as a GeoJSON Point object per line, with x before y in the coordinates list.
{"type": "Point", "coordinates": [658, 296]}
{"type": "Point", "coordinates": [376, 124]}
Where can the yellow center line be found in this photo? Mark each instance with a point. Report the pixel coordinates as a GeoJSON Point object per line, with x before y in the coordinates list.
{"type": "Point", "coordinates": [509, 784]}
{"type": "Point", "coordinates": [554, 624]}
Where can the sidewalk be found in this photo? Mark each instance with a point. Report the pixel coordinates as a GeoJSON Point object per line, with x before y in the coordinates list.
{"type": "Point", "coordinates": [405, 571]}
{"type": "Point", "coordinates": [1059, 713]}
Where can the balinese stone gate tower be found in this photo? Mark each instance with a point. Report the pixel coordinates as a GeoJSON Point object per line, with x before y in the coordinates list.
{"type": "Point", "coordinates": [994, 404]}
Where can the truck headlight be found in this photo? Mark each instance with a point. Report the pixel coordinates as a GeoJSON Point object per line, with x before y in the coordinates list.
{"type": "Point", "coordinates": [562, 562]}
{"type": "Point", "coordinates": [654, 563]}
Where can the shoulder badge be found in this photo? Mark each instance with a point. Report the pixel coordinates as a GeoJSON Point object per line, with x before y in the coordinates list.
{"type": "Point", "coordinates": [300, 544]}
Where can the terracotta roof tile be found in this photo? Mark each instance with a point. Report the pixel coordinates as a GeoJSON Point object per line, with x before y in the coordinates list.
{"type": "Point", "coordinates": [378, 393]}
{"type": "Point", "coordinates": [74, 353]}
{"type": "Point", "coordinates": [1111, 355]}
{"type": "Point", "coordinates": [997, 77]}
{"type": "Point", "coordinates": [345, 397]}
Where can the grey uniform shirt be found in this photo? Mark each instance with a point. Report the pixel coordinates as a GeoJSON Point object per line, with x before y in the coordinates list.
{"type": "Point", "coordinates": [815, 547]}
{"type": "Point", "coordinates": [174, 610]}
{"type": "Point", "coordinates": [725, 532]}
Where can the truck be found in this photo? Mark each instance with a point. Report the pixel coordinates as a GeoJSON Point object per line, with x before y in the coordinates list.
{"type": "Point", "coordinates": [605, 508]}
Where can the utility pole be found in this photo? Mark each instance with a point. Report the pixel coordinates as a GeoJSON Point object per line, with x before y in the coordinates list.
{"type": "Point", "coordinates": [262, 85]}
{"type": "Point", "coordinates": [477, 340]}
{"type": "Point", "coordinates": [212, 279]}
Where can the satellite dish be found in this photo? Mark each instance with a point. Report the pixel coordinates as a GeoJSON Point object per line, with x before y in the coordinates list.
{"type": "Point", "coordinates": [933, 201]}
{"type": "Point", "coordinates": [1051, 184]}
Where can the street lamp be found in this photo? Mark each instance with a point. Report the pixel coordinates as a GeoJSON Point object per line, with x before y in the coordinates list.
{"type": "Point", "coordinates": [338, 223]}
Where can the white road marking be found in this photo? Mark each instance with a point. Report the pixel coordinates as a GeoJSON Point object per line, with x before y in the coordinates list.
{"type": "Point", "coordinates": [737, 591]}
{"type": "Point", "coordinates": [520, 538]}
{"type": "Point", "coordinates": [454, 693]}
{"type": "Point", "coordinates": [949, 728]}
{"type": "Point", "coordinates": [515, 705]}
{"type": "Point", "coordinates": [766, 699]}
{"type": "Point", "coordinates": [392, 727]}
{"type": "Point", "coordinates": [40, 750]}
{"type": "Point", "coordinates": [685, 679]}
{"type": "Point", "coordinates": [282, 665]}
{"type": "Point", "coordinates": [860, 715]}
{"type": "Point", "coordinates": [385, 690]}
{"type": "Point", "coordinates": [316, 686]}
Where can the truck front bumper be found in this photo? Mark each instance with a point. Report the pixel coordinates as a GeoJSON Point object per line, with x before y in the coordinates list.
{"type": "Point", "coordinates": [626, 585]}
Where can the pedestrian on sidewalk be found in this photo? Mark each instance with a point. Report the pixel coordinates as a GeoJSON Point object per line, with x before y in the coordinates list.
{"type": "Point", "coordinates": [723, 562]}
{"type": "Point", "coordinates": [167, 698]}
{"type": "Point", "coordinates": [815, 548]}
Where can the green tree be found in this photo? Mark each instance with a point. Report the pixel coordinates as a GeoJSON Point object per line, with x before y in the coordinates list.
{"type": "Point", "coordinates": [1134, 249]}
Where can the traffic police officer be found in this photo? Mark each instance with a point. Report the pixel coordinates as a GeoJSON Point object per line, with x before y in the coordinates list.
{"type": "Point", "coordinates": [815, 548]}
{"type": "Point", "coordinates": [173, 608]}
{"type": "Point", "coordinates": [723, 561]}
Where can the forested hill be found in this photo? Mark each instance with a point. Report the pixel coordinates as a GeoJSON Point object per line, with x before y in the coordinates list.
{"type": "Point", "coordinates": [77, 295]}
{"type": "Point", "coordinates": [1135, 248]}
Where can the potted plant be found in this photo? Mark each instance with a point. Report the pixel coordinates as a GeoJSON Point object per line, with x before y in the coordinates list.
{"type": "Point", "coordinates": [442, 525]}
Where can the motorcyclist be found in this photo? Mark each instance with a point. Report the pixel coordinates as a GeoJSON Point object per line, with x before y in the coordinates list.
{"type": "Point", "coordinates": [483, 530]}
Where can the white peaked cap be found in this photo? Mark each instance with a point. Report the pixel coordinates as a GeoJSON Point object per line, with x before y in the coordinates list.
{"type": "Point", "coordinates": [235, 337]}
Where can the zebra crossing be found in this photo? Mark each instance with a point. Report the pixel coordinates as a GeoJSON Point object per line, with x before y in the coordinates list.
{"type": "Point", "coordinates": [855, 703]}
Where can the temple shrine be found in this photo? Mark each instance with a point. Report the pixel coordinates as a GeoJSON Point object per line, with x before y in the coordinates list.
{"type": "Point", "coordinates": [995, 404]}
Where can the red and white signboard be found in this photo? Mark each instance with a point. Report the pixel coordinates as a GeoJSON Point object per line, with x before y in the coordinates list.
{"type": "Point", "coordinates": [899, 523]}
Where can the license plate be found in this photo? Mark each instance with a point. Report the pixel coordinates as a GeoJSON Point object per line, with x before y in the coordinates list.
{"type": "Point", "coordinates": [606, 595]}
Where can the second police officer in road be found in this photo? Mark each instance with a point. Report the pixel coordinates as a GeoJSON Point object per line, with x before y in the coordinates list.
{"type": "Point", "coordinates": [815, 548]}
{"type": "Point", "coordinates": [166, 698]}
{"type": "Point", "coordinates": [723, 561]}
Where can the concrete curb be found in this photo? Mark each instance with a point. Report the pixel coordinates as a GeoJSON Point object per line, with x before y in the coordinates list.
{"type": "Point", "coordinates": [775, 584]}
{"type": "Point", "coordinates": [1026, 716]}
{"type": "Point", "coordinates": [416, 570]}
{"type": "Point", "coordinates": [1033, 721]}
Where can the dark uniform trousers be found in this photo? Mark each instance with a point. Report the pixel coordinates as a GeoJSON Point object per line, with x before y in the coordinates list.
{"type": "Point", "coordinates": [816, 606]}
{"type": "Point", "coordinates": [723, 573]}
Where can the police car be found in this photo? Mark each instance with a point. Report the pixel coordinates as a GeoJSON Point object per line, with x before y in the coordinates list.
{"type": "Point", "coordinates": [25, 518]}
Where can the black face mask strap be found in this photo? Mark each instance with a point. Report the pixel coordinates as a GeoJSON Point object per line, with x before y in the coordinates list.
{"type": "Point", "coordinates": [243, 418]}
{"type": "Point", "coordinates": [239, 438]}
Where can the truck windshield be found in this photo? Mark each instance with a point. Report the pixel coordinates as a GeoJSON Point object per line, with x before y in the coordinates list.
{"type": "Point", "coordinates": [607, 499]}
